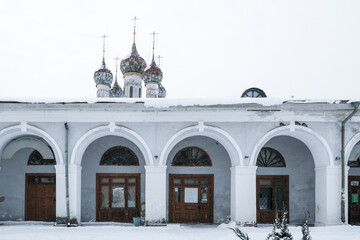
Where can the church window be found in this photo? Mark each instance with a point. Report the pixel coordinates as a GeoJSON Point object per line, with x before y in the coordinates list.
{"type": "Point", "coordinates": [35, 158]}
{"type": "Point", "coordinates": [269, 157]}
{"type": "Point", "coordinates": [253, 93]}
{"type": "Point", "coordinates": [131, 91]}
{"type": "Point", "coordinates": [355, 163]}
{"type": "Point", "coordinates": [193, 157]}
{"type": "Point", "coordinates": [119, 156]}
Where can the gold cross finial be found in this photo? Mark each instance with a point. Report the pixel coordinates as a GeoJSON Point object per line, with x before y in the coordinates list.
{"type": "Point", "coordinates": [103, 37]}
{"type": "Point", "coordinates": [153, 33]}
{"type": "Point", "coordinates": [116, 60]}
{"type": "Point", "coordinates": [134, 19]}
{"type": "Point", "coordinates": [158, 58]}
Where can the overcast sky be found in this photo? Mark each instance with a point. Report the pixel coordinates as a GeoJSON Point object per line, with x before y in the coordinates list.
{"type": "Point", "coordinates": [210, 49]}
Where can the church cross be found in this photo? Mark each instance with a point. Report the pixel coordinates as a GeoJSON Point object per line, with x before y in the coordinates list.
{"type": "Point", "coordinates": [135, 19]}
{"type": "Point", "coordinates": [103, 37]}
{"type": "Point", "coordinates": [158, 59]}
{"type": "Point", "coordinates": [153, 33]}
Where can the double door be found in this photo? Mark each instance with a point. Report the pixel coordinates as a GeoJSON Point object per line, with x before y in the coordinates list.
{"type": "Point", "coordinates": [191, 198]}
{"type": "Point", "coordinates": [118, 197]}
{"type": "Point", "coordinates": [40, 197]}
{"type": "Point", "coordinates": [272, 196]}
{"type": "Point", "coordinates": [353, 196]}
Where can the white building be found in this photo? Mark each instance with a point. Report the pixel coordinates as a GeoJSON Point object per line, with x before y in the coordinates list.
{"type": "Point", "coordinates": [178, 160]}
{"type": "Point", "coordinates": [125, 152]}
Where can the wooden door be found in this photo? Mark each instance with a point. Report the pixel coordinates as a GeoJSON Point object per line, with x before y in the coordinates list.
{"type": "Point", "coordinates": [118, 197]}
{"type": "Point", "coordinates": [40, 197]}
{"type": "Point", "coordinates": [191, 198]}
{"type": "Point", "coordinates": [353, 196]}
{"type": "Point", "coordinates": [272, 195]}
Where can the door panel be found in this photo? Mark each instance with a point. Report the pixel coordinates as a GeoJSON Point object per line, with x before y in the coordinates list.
{"type": "Point", "coordinates": [191, 198]}
{"type": "Point", "coordinates": [118, 197]}
{"type": "Point", "coordinates": [353, 196]}
{"type": "Point", "coordinates": [272, 195]}
{"type": "Point", "coordinates": [40, 197]}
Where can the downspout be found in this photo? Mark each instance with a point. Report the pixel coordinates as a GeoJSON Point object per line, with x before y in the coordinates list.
{"type": "Point", "coordinates": [356, 107]}
{"type": "Point", "coordinates": [67, 174]}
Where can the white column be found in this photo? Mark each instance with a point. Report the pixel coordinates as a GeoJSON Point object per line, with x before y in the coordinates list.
{"type": "Point", "coordinates": [155, 193]}
{"type": "Point", "coordinates": [60, 191]}
{"type": "Point", "coordinates": [75, 191]}
{"type": "Point", "coordinates": [243, 194]}
{"type": "Point", "coordinates": [328, 195]}
{"type": "Point", "coordinates": [346, 194]}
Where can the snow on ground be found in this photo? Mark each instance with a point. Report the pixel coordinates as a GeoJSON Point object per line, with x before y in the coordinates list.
{"type": "Point", "coordinates": [42, 231]}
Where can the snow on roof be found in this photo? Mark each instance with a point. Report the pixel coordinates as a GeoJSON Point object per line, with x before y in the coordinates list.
{"type": "Point", "coordinates": [172, 102]}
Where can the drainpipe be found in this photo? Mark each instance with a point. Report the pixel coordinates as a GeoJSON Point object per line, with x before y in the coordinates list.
{"type": "Point", "coordinates": [356, 107]}
{"type": "Point", "coordinates": [67, 174]}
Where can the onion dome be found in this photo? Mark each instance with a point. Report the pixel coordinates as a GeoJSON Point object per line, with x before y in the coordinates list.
{"type": "Point", "coordinates": [162, 91]}
{"type": "Point", "coordinates": [116, 90]}
{"type": "Point", "coordinates": [153, 73]}
{"type": "Point", "coordinates": [133, 63]}
{"type": "Point", "coordinates": [103, 75]}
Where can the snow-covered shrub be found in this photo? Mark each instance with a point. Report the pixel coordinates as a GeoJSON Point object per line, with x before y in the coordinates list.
{"type": "Point", "coordinates": [240, 234]}
{"type": "Point", "coordinates": [280, 229]}
{"type": "Point", "coordinates": [305, 231]}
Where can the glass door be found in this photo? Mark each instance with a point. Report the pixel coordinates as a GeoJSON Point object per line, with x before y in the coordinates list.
{"type": "Point", "coordinates": [191, 198]}
{"type": "Point", "coordinates": [272, 195]}
{"type": "Point", "coordinates": [353, 196]}
{"type": "Point", "coordinates": [118, 197]}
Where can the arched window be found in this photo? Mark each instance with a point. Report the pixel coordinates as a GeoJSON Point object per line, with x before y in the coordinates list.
{"type": "Point", "coordinates": [131, 91]}
{"type": "Point", "coordinates": [35, 158]}
{"type": "Point", "coordinates": [119, 156]}
{"type": "Point", "coordinates": [355, 163]}
{"type": "Point", "coordinates": [193, 157]}
{"type": "Point", "coordinates": [269, 157]}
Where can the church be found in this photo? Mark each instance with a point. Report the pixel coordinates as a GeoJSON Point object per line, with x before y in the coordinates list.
{"type": "Point", "coordinates": [124, 155]}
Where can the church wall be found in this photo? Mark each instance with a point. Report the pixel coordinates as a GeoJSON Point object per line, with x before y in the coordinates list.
{"type": "Point", "coordinates": [300, 168]}
{"type": "Point", "coordinates": [12, 184]}
{"type": "Point", "coordinates": [90, 166]}
{"type": "Point", "coordinates": [221, 170]}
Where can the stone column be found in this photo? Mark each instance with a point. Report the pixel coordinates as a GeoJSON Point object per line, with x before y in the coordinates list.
{"type": "Point", "coordinates": [243, 194]}
{"type": "Point", "coordinates": [328, 195]}
{"type": "Point", "coordinates": [155, 193]}
{"type": "Point", "coordinates": [75, 191]}
{"type": "Point", "coordinates": [60, 191]}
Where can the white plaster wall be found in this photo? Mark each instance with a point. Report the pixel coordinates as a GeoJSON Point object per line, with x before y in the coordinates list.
{"type": "Point", "coordinates": [90, 166]}
{"type": "Point", "coordinates": [221, 170]}
{"type": "Point", "coordinates": [152, 90]}
{"type": "Point", "coordinates": [12, 184]}
{"type": "Point", "coordinates": [300, 168]}
{"type": "Point", "coordinates": [135, 81]}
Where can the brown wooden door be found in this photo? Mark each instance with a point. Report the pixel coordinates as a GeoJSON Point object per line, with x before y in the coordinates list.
{"type": "Point", "coordinates": [118, 197]}
{"type": "Point", "coordinates": [272, 195]}
{"type": "Point", "coordinates": [353, 196]}
{"type": "Point", "coordinates": [40, 197]}
{"type": "Point", "coordinates": [191, 198]}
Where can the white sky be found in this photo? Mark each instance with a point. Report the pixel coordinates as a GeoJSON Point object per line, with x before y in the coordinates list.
{"type": "Point", "coordinates": [217, 49]}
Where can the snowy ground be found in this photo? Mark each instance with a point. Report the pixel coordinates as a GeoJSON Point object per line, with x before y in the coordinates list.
{"type": "Point", "coordinates": [43, 231]}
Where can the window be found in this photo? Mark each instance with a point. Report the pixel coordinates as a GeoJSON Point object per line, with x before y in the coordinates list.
{"type": "Point", "coordinates": [355, 163]}
{"type": "Point", "coordinates": [119, 156]}
{"type": "Point", "coordinates": [192, 156]}
{"type": "Point", "coordinates": [139, 92]}
{"type": "Point", "coordinates": [253, 93]}
{"type": "Point", "coordinates": [269, 157]}
{"type": "Point", "coordinates": [35, 158]}
{"type": "Point", "coordinates": [131, 91]}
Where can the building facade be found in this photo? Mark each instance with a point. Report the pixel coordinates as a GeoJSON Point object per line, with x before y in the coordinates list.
{"type": "Point", "coordinates": [182, 161]}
